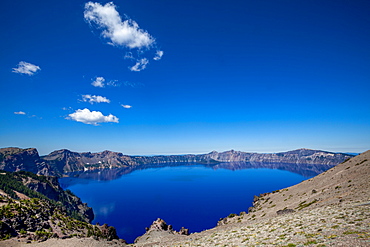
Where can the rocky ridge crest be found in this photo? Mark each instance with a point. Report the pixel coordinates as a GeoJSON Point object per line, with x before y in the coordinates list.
{"type": "Point", "coordinates": [62, 161]}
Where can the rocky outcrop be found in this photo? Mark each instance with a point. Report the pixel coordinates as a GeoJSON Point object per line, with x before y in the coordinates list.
{"type": "Point", "coordinates": [285, 211]}
{"type": "Point", "coordinates": [301, 156]}
{"type": "Point", "coordinates": [22, 184]}
{"type": "Point", "coordinates": [50, 187]}
{"type": "Point", "coordinates": [63, 161]}
{"type": "Point", "coordinates": [35, 207]}
{"type": "Point", "coordinates": [108, 232]}
{"type": "Point", "coordinates": [17, 159]}
{"type": "Point", "coordinates": [39, 219]}
{"type": "Point", "coordinates": [158, 230]}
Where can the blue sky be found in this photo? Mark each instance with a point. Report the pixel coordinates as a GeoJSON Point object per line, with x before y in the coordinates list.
{"type": "Point", "coordinates": [173, 77]}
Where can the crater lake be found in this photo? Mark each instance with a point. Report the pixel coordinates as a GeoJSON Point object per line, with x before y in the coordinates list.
{"type": "Point", "coordinates": [187, 195]}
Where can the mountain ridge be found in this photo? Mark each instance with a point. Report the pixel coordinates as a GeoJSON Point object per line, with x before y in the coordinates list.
{"type": "Point", "coordinates": [62, 161]}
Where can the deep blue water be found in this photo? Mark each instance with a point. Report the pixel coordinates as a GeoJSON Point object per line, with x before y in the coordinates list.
{"type": "Point", "coordinates": [195, 196]}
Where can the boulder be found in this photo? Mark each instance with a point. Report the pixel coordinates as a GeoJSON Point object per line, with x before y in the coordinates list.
{"type": "Point", "coordinates": [285, 211]}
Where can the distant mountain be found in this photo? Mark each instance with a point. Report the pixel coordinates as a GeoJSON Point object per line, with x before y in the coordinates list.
{"type": "Point", "coordinates": [17, 159]}
{"type": "Point", "coordinates": [62, 161]}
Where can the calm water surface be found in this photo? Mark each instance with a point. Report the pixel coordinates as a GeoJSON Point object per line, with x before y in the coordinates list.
{"type": "Point", "coordinates": [195, 196]}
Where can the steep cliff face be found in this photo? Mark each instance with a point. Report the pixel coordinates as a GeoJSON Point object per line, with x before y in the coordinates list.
{"type": "Point", "coordinates": [301, 156]}
{"type": "Point", "coordinates": [24, 184]}
{"type": "Point", "coordinates": [67, 161]}
{"type": "Point", "coordinates": [17, 159]}
{"type": "Point", "coordinates": [39, 219]}
{"type": "Point", "coordinates": [228, 156]}
{"type": "Point", "coordinates": [49, 186]}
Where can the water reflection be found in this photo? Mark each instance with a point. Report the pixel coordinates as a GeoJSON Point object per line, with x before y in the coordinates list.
{"type": "Point", "coordinates": [306, 170]}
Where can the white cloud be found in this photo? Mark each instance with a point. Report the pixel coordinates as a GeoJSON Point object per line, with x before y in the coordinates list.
{"type": "Point", "coordinates": [126, 106]}
{"type": "Point", "coordinates": [26, 68]}
{"type": "Point", "coordinates": [129, 56]}
{"type": "Point", "coordinates": [20, 113]}
{"type": "Point", "coordinates": [158, 55]}
{"type": "Point", "coordinates": [120, 33]}
{"type": "Point", "coordinates": [140, 65]}
{"type": "Point", "coordinates": [91, 117]}
{"type": "Point", "coordinates": [94, 99]}
{"type": "Point", "coordinates": [99, 82]}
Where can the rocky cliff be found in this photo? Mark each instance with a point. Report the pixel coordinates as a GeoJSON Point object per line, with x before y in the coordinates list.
{"type": "Point", "coordinates": [22, 184]}
{"type": "Point", "coordinates": [39, 219]}
{"type": "Point", "coordinates": [35, 207]}
{"type": "Point", "coordinates": [17, 159]}
{"type": "Point", "coordinates": [61, 161]}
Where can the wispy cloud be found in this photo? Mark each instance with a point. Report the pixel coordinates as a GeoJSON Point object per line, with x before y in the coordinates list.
{"type": "Point", "coordinates": [120, 33]}
{"type": "Point", "coordinates": [20, 113]}
{"type": "Point", "coordinates": [113, 83]}
{"type": "Point", "coordinates": [126, 106]}
{"type": "Point", "coordinates": [140, 65]}
{"type": "Point", "coordinates": [133, 84]}
{"type": "Point", "coordinates": [27, 115]}
{"type": "Point", "coordinates": [129, 56]}
{"type": "Point", "coordinates": [98, 82]}
{"type": "Point", "coordinates": [158, 55]}
{"type": "Point", "coordinates": [91, 117]}
{"type": "Point", "coordinates": [26, 68]}
{"type": "Point", "coordinates": [94, 99]}
{"type": "Point", "coordinates": [102, 82]}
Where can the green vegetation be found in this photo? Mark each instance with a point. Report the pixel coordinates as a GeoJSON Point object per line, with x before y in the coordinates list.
{"type": "Point", "coordinates": [363, 161]}
{"type": "Point", "coordinates": [351, 232]}
{"type": "Point", "coordinates": [303, 204]}
{"type": "Point", "coordinates": [14, 181]}
{"type": "Point", "coordinates": [290, 245]}
{"type": "Point", "coordinates": [10, 181]}
{"type": "Point", "coordinates": [231, 216]}
{"type": "Point", "coordinates": [310, 242]}
{"type": "Point", "coordinates": [39, 212]}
